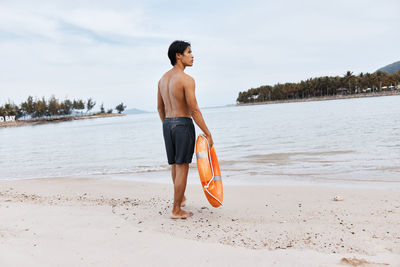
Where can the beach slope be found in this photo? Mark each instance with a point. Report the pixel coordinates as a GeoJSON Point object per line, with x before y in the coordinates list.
{"type": "Point", "coordinates": [99, 222]}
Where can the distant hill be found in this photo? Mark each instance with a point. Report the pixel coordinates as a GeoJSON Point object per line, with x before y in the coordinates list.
{"type": "Point", "coordinates": [134, 111]}
{"type": "Point", "coordinates": [391, 68]}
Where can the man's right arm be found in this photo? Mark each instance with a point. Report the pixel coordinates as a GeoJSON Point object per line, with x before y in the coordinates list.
{"type": "Point", "coordinates": [191, 101]}
{"type": "Point", "coordinates": [160, 104]}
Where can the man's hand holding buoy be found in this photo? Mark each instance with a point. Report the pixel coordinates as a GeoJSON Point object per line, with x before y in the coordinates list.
{"type": "Point", "coordinates": [209, 139]}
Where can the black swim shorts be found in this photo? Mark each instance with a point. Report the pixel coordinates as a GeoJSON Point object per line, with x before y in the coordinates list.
{"type": "Point", "coordinates": [179, 137]}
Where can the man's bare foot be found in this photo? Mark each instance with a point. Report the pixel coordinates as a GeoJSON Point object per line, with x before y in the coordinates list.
{"type": "Point", "coordinates": [183, 204]}
{"type": "Point", "coordinates": [181, 214]}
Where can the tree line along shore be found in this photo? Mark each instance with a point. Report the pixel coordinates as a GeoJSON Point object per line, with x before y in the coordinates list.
{"type": "Point", "coordinates": [325, 88]}
{"type": "Point", "coordinates": [42, 110]}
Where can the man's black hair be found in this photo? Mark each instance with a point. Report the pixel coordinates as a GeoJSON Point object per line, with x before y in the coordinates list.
{"type": "Point", "coordinates": [176, 47]}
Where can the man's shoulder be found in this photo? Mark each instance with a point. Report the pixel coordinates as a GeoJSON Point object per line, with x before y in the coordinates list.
{"type": "Point", "coordinates": [165, 75]}
{"type": "Point", "coordinates": [187, 78]}
{"type": "Point", "coordinates": [183, 78]}
{"type": "Point", "coordinates": [164, 78]}
{"type": "Point", "coordinates": [180, 77]}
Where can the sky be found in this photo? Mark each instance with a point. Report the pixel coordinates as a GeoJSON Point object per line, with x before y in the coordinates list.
{"type": "Point", "coordinates": [116, 51]}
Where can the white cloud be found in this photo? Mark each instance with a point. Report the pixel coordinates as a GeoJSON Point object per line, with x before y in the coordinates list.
{"type": "Point", "coordinates": [26, 24]}
{"type": "Point", "coordinates": [108, 22]}
{"type": "Point", "coordinates": [116, 51]}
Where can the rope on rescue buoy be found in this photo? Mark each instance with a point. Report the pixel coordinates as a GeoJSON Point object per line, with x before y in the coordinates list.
{"type": "Point", "coordinates": [212, 170]}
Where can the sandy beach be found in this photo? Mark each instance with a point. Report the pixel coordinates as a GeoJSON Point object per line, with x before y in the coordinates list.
{"type": "Point", "coordinates": [99, 222]}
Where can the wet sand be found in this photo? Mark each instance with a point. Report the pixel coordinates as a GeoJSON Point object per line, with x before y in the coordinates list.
{"type": "Point", "coordinates": [99, 222]}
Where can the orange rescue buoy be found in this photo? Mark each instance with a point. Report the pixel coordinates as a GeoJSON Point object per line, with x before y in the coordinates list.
{"type": "Point", "coordinates": [210, 174]}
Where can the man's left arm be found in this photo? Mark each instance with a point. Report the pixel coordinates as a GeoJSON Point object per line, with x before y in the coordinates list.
{"type": "Point", "coordinates": [160, 104]}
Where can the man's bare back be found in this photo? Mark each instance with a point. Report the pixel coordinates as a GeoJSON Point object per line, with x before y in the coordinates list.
{"type": "Point", "coordinates": [172, 89]}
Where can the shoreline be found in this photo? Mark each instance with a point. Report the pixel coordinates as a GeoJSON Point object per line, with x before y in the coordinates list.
{"type": "Point", "coordinates": [85, 222]}
{"type": "Point", "coordinates": [324, 98]}
{"type": "Point", "coordinates": [18, 123]}
{"type": "Point", "coordinates": [236, 180]}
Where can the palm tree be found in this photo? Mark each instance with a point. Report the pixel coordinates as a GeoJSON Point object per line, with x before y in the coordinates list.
{"type": "Point", "coordinates": [78, 105]}
{"type": "Point", "coordinates": [40, 108]}
{"type": "Point", "coordinates": [28, 107]}
{"type": "Point", "coordinates": [349, 80]}
{"type": "Point", "coordinates": [53, 106]}
{"type": "Point", "coordinates": [90, 104]}
{"type": "Point", "coordinates": [120, 108]}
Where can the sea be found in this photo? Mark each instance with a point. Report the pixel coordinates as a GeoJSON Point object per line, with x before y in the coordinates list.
{"type": "Point", "coordinates": [347, 142]}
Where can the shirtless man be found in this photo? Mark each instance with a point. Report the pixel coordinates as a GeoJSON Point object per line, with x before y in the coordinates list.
{"type": "Point", "coordinates": [177, 105]}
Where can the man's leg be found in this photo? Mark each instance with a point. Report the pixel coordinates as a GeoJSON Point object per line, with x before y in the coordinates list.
{"type": "Point", "coordinates": [173, 174]}
{"type": "Point", "coordinates": [181, 172]}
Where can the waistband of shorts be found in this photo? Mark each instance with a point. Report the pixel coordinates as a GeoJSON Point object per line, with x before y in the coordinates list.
{"type": "Point", "coordinates": [178, 119]}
